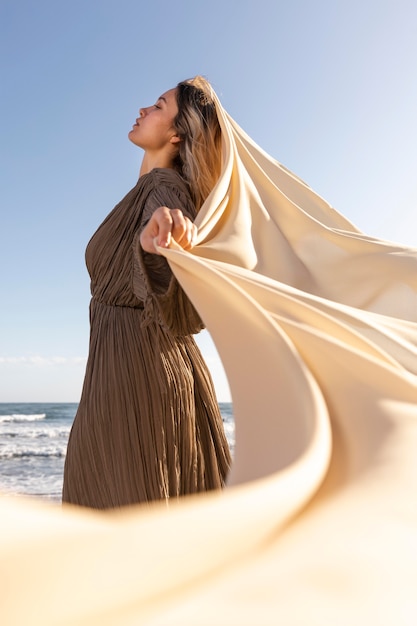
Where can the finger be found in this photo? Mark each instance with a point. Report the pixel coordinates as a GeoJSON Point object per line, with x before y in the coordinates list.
{"type": "Point", "coordinates": [164, 224]}
{"type": "Point", "coordinates": [149, 243]}
{"type": "Point", "coordinates": [157, 231]}
{"type": "Point", "coordinates": [183, 229]}
{"type": "Point", "coordinates": [190, 237]}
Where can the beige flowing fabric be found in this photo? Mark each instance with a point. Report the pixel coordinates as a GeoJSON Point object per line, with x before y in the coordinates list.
{"type": "Point", "coordinates": [316, 327]}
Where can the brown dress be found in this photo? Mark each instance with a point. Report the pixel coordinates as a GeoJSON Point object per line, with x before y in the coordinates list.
{"type": "Point", "coordinates": [148, 425]}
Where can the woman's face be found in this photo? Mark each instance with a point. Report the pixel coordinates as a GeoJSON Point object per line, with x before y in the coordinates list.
{"type": "Point", "coordinates": [153, 129]}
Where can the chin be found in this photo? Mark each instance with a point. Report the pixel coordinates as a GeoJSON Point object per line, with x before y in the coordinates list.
{"type": "Point", "coordinates": [131, 137]}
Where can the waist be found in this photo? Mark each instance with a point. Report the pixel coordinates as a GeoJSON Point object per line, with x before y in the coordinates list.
{"type": "Point", "coordinates": [96, 301]}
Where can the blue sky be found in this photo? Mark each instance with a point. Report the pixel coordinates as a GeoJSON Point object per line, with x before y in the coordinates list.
{"type": "Point", "coordinates": [328, 88]}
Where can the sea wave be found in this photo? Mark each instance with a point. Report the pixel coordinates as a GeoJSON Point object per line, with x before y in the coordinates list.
{"type": "Point", "coordinates": [13, 431]}
{"type": "Point", "coordinates": [21, 452]}
{"type": "Point", "coordinates": [22, 417]}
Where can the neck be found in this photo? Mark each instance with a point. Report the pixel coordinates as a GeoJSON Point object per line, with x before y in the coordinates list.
{"type": "Point", "coordinates": [151, 161]}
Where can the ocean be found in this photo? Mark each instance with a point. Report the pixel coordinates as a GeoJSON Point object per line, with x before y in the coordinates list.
{"type": "Point", "coordinates": [33, 442]}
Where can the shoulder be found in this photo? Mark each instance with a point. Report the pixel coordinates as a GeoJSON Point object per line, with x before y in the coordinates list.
{"type": "Point", "coordinates": [165, 182]}
{"type": "Point", "coordinates": [166, 177]}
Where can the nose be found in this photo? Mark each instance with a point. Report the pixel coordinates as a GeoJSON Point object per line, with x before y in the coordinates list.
{"type": "Point", "coordinates": [142, 112]}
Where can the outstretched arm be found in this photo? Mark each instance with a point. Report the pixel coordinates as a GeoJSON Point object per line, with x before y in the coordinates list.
{"type": "Point", "coordinates": [166, 224]}
{"type": "Point", "coordinates": [153, 282]}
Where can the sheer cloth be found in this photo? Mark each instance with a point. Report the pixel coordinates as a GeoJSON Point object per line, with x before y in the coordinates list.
{"type": "Point", "coordinates": [315, 323]}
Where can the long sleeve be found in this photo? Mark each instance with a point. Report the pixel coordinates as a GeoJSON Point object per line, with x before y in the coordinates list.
{"type": "Point", "coordinates": [153, 281]}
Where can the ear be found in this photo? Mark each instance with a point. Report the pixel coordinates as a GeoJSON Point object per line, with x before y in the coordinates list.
{"type": "Point", "coordinates": [175, 139]}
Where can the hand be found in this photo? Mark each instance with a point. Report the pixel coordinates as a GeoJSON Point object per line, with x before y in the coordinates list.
{"type": "Point", "coordinates": [165, 225]}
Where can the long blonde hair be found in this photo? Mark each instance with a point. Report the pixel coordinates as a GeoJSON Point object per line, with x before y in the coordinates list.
{"type": "Point", "coordinates": [199, 156]}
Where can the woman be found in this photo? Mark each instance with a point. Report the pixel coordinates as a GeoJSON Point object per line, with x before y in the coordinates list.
{"type": "Point", "coordinates": [148, 426]}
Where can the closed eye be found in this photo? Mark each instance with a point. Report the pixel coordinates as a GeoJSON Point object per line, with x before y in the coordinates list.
{"type": "Point", "coordinates": [160, 99]}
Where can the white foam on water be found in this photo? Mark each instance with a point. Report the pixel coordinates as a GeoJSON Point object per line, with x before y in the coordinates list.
{"type": "Point", "coordinates": [21, 417]}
